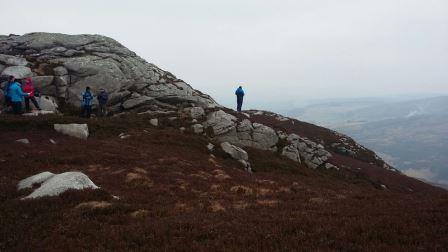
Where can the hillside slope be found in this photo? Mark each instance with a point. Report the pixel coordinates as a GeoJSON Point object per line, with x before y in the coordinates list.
{"type": "Point", "coordinates": [173, 195]}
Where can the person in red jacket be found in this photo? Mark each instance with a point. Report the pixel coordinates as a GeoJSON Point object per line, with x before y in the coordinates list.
{"type": "Point", "coordinates": [28, 87]}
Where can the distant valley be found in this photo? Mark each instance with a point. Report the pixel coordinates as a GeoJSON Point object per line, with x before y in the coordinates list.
{"type": "Point", "coordinates": [412, 135]}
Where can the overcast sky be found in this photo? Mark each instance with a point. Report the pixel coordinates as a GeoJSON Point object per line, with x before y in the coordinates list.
{"type": "Point", "coordinates": [278, 50]}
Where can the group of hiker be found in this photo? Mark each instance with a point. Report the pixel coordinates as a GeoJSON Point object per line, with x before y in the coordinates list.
{"type": "Point", "coordinates": [87, 100]}
{"type": "Point", "coordinates": [16, 92]}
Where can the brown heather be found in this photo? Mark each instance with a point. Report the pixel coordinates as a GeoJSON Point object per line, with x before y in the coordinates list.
{"type": "Point", "coordinates": [174, 197]}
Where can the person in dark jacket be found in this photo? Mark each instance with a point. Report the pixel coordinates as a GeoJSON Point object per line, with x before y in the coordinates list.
{"type": "Point", "coordinates": [29, 88]}
{"type": "Point", "coordinates": [102, 97]}
{"type": "Point", "coordinates": [87, 99]}
{"type": "Point", "coordinates": [16, 95]}
{"type": "Point", "coordinates": [239, 98]}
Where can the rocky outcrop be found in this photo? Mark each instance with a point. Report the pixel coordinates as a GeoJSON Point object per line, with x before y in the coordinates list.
{"type": "Point", "coordinates": [73, 129]}
{"type": "Point", "coordinates": [291, 152]}
{"type": "Point", "coordinates": [55, 184]}
{"type": "Point", "coordinates": [232, 131]}
{"type": "Point", "coordinates": [313, 155]}
{"type": "Point", "coordinates": [225, 127]}
{"type": "Point", "coordinates": [63, 65]}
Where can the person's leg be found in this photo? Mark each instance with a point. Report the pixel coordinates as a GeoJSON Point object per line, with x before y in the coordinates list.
{"type": "Point", "coordinates": [33, 99]}
{"type": "Point", "coordinates": [100, 109]}
{"type": "Point", "coordinates": [239, 102]}
{"type": "Point", "coordinates": [7, 104]}
{"type": "Point", "coordinates": [89, 111]}
{"type": "Point", "coordinates": [27, 104]}
{"type": "Point", "coordinates": [17, 107]}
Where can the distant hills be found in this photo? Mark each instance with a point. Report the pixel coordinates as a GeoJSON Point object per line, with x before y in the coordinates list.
{"type": "Point", "coordinates": [411, 135]}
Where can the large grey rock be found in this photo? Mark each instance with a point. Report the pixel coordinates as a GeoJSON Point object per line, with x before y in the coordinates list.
{"type": "Point", "coordinates": [9, 60]}
{"type": "Point", "coordinates": [234, 151]}
{"type": "Point", "coordinates": [53, 185]}
{"type": "Point", "coordinates": [245, 133]}
{"type": "Point", "coordinates": [19, 72]}
{"type": "Point", "coordinates": [221, 123]}
{"type": "Point", "coordinates": [72, 129]}
{"type": "Point", "coordinates": [100, 62]}
{"type": "Point", "coordinates": [48, 103]}
{"type": "Point", "coordinates": [264, 137]}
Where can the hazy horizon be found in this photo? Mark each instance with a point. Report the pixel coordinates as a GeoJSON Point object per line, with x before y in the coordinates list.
{"type": "Point", "coordinates": [280, 52]}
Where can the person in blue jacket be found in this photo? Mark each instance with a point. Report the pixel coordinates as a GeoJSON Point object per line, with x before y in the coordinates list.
{"type": "Point", "coordinates": [87, 98]}
{"type": "Point", "coordinates": [7, 98]}
{"type": "Point", "coordinates": [239, 98]}
{"type": "Point", "coordinates": [15, 94]}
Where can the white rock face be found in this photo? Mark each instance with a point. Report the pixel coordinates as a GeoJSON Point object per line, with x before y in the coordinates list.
{"type": "Point", "coordinates": [234, 151]}
{"type": "Point", "coordinates": [75, 130]}
{"type": "Point", "coordinates": [53, 185]}
{"type": "Point", "coordinates": [99, 62]}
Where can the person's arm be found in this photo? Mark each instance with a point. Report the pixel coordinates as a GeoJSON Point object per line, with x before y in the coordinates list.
{"type": "Point", "coordinates": [19, 90]}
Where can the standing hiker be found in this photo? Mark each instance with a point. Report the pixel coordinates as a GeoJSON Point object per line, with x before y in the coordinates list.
{"type": "Point", "coordinates": [87, 98]}
{"type": "Point", "coordinates": [6, 94]}
{"type": "Point", "coordinates": [29, 88]}
{"type": "Point", "coordinates": [15, 95]}
{"type": "Point", "coordinates": [102, 97]}
{"type": "Point", "coordinates": [239, 98]}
